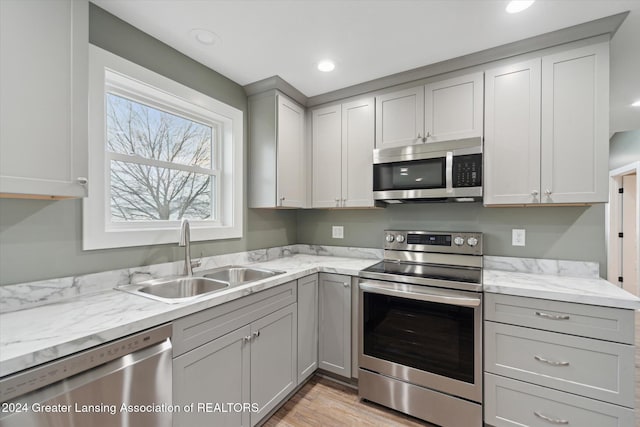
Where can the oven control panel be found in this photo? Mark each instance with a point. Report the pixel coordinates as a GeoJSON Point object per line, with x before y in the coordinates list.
{"type": "Point", "coordinates": [434, 241]}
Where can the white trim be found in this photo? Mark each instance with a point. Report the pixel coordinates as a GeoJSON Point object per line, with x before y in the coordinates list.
{"type": "Point", "coordinates": [614, 210]}
{"type": "Point", "coordinates": [228, 123]}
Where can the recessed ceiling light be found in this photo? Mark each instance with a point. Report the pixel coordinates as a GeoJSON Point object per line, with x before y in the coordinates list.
{"type": "Point", "coordinates": [516, 6]}
{"type": "Point", "coordinates": [204, 36]}
{"type": "Point", "coordinates": [326, 65]}
{"type": "Point", "coordinates": [636, 104]}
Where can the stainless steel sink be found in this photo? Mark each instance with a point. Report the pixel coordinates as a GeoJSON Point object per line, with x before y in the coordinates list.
{"type": "Point", "coordinates": [176, 289]}
{"type": "Point", "coordinates": [182, 287]}
{"type": "Point", "coordinates": [235, 274]}
{"type": "Point", "coordinates": [185, 288]}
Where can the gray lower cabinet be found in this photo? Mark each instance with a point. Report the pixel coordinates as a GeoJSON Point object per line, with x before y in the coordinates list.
{"type": "Point", "coordinates": [237, 361]}
{"type": "Point", "coordinates": [215, 373]}
{"type": "Point", "coordinates": [273, 360]}
{"type": "Point", "coordinates": [307, 326]}
{"type": "Point", "coordinates": [335, 324]}
{"type": "Point", "coordinates": [557, 363]}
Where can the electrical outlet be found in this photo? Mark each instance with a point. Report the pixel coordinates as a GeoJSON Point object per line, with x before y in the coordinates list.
{"type": "Point", "coordinates": [518, 237]}
{"type": "Point", "coordinates": [337, 232]}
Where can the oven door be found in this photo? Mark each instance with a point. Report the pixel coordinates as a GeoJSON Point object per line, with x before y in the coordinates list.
{"type": "Point", "coordinates": [426, 336]}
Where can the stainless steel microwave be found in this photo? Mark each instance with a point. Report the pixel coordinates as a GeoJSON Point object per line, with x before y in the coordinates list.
{"type": "Point", "coordinates": [448, 171]}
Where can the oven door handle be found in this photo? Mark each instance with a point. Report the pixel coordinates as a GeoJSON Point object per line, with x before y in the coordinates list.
{"type": "Point", "coordinates": [419, 294]}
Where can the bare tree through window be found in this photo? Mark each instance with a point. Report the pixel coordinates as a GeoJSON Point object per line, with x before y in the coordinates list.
{"type": "Point", "coordinates": [161, 164]}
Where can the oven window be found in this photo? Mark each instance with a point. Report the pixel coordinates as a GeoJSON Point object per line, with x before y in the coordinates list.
{"type": "Point", "coordinates": [432, 337]}
{"type": "Point", "coordinates": [416, 174]}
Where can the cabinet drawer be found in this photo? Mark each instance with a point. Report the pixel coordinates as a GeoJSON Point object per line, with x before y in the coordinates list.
{"type": "Point", "coordinates": [597, 369]}
{"type": "Point", "coordinates": [514, 403]}
{"type": "Point", "coordinates": [611, 324]}
{"type": "Point", "coordinates": [194, 330]}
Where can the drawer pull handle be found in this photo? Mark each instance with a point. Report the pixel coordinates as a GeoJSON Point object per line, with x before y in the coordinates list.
{"type": "Point", "coordinates": [550, 362]}
{"type": "Point", "coordinates": [553, 316]}
{"type": "Point", "coordinates": [549, 419]}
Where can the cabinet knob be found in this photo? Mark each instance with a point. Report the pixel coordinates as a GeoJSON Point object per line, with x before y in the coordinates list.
{"type": "Point", "coordinates": [82, 180]}
{"type": "Point", "coordinates": [256, 334]}
{"type": "Point", "coordinates": [534, 193]}
{"type": "Point", "coordinates": [247, 338]}
{"type": "Point", "coordinates": [337, 201]}
{"type": "Point", "coordinates": [547, 192]}
{"type": "Point", "coordinates": [346, 284]}
{"type": "Point", "coordinates": [281, 200]}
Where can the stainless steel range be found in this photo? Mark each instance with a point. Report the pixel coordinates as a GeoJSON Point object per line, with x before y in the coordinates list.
{"type": "Point", "coordinates": [420, 327]}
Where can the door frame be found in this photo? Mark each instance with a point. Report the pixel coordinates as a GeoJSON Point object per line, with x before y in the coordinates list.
{"type": "Point", "coordinates": [612, 218]}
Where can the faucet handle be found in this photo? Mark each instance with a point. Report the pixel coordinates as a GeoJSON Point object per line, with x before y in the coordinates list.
{"type": "Point", "coordinates": [196, 263]}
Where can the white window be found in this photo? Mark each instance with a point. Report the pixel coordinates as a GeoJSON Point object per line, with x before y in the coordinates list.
{"type": "Point", "coordinates": [158, 152]}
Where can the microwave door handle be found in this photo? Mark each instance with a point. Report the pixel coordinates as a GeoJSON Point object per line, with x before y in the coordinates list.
{"type": "Point", "coordinates": [419, 295]}
{"type": "Point", "coordinates": [449, 172]}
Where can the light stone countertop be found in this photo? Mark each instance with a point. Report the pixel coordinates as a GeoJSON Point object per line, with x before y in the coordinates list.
{"type": "Point", "coordinates": [40, 334]}
{"type": "Point", "coordinates": [32, 336]}
{"type": "Point", "coordinates": [583, 290]}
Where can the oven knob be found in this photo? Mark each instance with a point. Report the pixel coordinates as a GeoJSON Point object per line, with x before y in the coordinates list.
{"type": "Point", "coordinates": [459, 241]}
{"type": "Point", "coordinates": [472, 241]}
{"type": "Point", "coordinates": [390, 238]}
{"type": "Point", "coordinates": [399, 238]}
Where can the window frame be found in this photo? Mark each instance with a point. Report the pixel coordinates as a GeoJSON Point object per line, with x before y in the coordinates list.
{"type": "Point", "coordinates": [109, 73]}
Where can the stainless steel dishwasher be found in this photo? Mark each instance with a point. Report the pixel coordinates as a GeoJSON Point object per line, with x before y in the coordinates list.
{"type": "Point", "coordinates": [123, 383]}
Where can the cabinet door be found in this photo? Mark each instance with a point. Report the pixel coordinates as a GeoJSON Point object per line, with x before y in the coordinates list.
{"type": "Point", "coordinates": [273, 360]}
{"type": "Point", "coordinates": [453, 108]}
{"type": "Point", "coordinates": [217, 372]}
{"type": "Point", "coordinates": [327, 142]}
{"type": "Point", "coordinates": [335, 324]}
{"type": "Point", "coordinates": [290, 156]}
{"type": "Point", "coordinates": [575, 125]}
{"type": "Point", "coordinates": [307, 326]}
{"type": "Point", "coordinates": [512, 134]}
{"type": "Point", "coordinates": [43, 107]}
{"type": "Point", "coordinates": [357, 153]}
{"type": "Point", "coordinates": [400, 118]}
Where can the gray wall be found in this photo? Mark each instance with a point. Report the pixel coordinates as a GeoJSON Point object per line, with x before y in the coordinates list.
{"type": "Point", "coordinates": [624, 148]}
{"type": "Point", "coordinates": [574, 233]}
{"type": "Point", "coordinates": [43, 239]}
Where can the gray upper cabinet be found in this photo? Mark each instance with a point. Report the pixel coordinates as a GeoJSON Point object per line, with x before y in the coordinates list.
{"type": "Point", "coordinates": [453, 108]}
{"type": "Point", "coordinates": [443, 110]}
{"type": "Point", "coordinates": [43, 107]}
{"type": "Point", "coordinates": [335, 324]}
{"type": "Point", "coordinates": [343, 142]}
{"type": "Point", "coordinates": [307, 326]}
{"type": "Point", "coordinates": [400, 118]}
{"type": "Point", "coordinates": [575, 125]}
{"type": "Point", "coordinates": [512, 134]}
{"type": "Point", "coordinates": [546, 129]}
{"type": "Point", "coordinates": [276, 152]}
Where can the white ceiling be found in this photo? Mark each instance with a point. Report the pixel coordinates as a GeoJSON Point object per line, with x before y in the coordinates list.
{"type": "Point", "coordinates": [369, 39]}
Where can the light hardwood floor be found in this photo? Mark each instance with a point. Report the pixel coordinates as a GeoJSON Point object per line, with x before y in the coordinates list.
{"type": "Point", "coordinates": [323, 402]}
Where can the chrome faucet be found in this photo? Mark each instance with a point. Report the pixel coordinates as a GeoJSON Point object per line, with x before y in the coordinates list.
{"type": "Point", "coordinates": [185, 240]}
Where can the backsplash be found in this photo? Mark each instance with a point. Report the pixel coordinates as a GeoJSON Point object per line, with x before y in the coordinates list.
{"type": "Point", "coordinates": [26, 295]}
{"type": "Point", "coordinates": [589, 270]}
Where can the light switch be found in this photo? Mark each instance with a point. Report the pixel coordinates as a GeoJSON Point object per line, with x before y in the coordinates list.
{"type": "Point", "coordinates": [337, 232]}
{"type": "Point", "coordinates": [517, 237]}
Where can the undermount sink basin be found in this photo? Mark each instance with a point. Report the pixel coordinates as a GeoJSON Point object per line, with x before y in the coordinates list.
{"type": "Point", "coordinates": [183, 288]}
{"type": "Point", "coordinates": [235, 274]}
